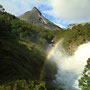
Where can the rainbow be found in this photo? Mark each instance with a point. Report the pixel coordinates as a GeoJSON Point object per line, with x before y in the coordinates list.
{"type": "Point", "coordinates": [53, 48]}
{"type": "Point", "coordinates": [50, 54]}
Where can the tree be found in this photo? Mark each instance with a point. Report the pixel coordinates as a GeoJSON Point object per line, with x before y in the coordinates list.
{"type": "Point", "coordinates": [84, 82]}
{"type": "Point", "coordinates": [1, 8]}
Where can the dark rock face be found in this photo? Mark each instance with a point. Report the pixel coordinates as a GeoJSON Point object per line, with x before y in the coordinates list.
{"type": "Point", "coordinates": [88, 64]}
{"type": "Point", "coordinates": [35, 17]}
{"type": "Point", "coordinates": [71, 25]}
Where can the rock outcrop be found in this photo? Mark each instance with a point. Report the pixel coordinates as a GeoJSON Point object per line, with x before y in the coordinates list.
{"type": "Point", "coordinates": [1, 8]}
{"type": "Point", "coordinates": [88, 64]}
{"type": "Point", "coordinates": [35, 17]}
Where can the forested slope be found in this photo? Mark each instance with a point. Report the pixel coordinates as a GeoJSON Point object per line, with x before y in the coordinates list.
{"type": "Point", "coordinates": [23, 46]}
{"type": "Point", "coordinates": [21, 57]}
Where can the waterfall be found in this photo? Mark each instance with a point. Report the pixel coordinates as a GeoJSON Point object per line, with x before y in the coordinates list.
{"type": "Point", "coordinates": [70, 68]}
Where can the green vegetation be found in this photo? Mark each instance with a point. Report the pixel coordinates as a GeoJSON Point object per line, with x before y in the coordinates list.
{"type": "Point", "coordinates": [74, 37]}
{"type": "Point", "coordinates": [49, 72]}
{"type": "Point", "coordinates": [17, 60]}
{"type": "Point", "coordinates": [23, 47]}
{"type": "Point", "coordinates": [84, 82]}
{"type": "Point", "coordinates": [42, 37]}
{"type": "Point", "coordinates": [21, 58]}
{"type": "Point", "coordinates": [1, 6]}
{"type": "Point", "coordinates": [27, 85]}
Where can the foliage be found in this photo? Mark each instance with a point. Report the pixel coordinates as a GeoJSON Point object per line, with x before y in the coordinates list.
{"type": "Point", "coordinates": [1, 6]}
{"type": "Point", "coordinates": [30, 33]}
{"type": "Point", "coordinates": [27, 85]}
{"type": "Point", "coordinates": [49, 72]}
{"type": "Point", "coordinates": [18, 58]}
{"type": "Point", "coordinates": [20, 54]}
{"type": "Point", "coordinates": [84, 82]}
{"type": "Point", "coordinates": [22, 46]}
{"type": "Point", "coordinates": [74, 37]}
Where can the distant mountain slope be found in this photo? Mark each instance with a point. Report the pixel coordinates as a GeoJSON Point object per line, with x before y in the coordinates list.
{"type": "Point", "coordinates": [76, 24]}
{"type": "Point", "coordinates": [35, 17]}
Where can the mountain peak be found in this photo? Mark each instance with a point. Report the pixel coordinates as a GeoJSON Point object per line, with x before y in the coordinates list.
{"type": "Point", "coordinates": [36, 10]}
{"type": "Point", "coordinates": [35, 17]}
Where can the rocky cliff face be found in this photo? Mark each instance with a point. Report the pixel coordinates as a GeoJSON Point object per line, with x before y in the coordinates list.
{"type": "Point", "coordinates": [35, 17]}
{"type": "Point", "coordinates": [88, 64]}
{"type": "Point", "coordinates": [71, 25]}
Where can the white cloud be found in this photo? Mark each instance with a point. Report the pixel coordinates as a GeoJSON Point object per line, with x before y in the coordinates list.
{"type": "Point", "coordinates": [71, 10]}
{"type": "Point", "coordinates": [17, 7]}
{"type": "Point", "coordinates": [66, 11]}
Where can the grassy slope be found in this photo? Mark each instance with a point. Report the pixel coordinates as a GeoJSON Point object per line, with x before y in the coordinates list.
{"type": "Point", "coordinates": [21, 60]}
{"type": "Point", "coordinates": [84, 82]}
{"type": "Point", "coordinates": [74, 37]}
{"type": "Point", "coordinates": [17, 60]}
{"type": "Point", "coordinates": [27, 85]}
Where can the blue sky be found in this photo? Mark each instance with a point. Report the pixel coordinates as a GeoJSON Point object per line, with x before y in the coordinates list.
{"type": "Point", "coordinates": [60, 12]}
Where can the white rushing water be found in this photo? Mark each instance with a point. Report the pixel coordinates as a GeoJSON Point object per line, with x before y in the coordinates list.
{"type": "Point", "coordinates": [70, 68]}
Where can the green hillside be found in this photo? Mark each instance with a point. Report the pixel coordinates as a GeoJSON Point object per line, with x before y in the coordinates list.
{"type": "Point", "coordinates": [27, 85]}
{"type": "Point", "coordinates": [74, 37]}
{"type": "Point", "coordinates": [23, 49]}
{"type": "Point", "coordinates": [84, 82]}
{"type": "Point", "coordinates": [21, 57]}
{"type": "Point", "coordinates": [18, 59]}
